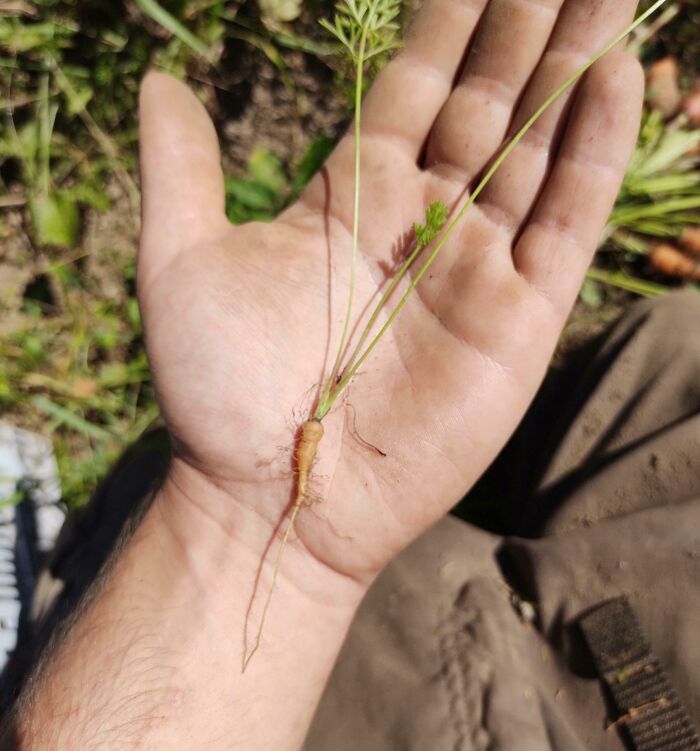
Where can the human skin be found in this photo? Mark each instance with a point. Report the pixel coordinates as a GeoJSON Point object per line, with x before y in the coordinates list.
{"type": "Point", "coordinates": [237, 326]}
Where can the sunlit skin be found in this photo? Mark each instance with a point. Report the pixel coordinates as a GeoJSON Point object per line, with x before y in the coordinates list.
{"type": "Point", "coordinates": [241, 321]}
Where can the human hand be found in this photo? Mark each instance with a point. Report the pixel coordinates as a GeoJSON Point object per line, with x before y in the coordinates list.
{"type": "Point", "coordinates": [237, 318]}
{"type": "Point", "coordinates": [237, 326]}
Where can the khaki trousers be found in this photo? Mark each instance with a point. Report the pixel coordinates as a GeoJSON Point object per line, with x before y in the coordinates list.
{"type": "Point", "coordinates": [468, 641]}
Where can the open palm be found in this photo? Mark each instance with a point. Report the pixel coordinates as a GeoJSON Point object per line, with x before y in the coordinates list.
{"type": "Point", "coordinates": [242, 321]}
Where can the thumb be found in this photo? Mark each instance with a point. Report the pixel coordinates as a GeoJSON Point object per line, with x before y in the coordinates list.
{"type": "Point", "coordinates": [181, 177]}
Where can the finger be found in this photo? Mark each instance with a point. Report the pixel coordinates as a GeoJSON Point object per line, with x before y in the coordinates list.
{"type": "Point", "coordinates": [583, 30]}
{"type": "Point", "coordinates": [556, 247]}
{"type": "Point", "coordinates": [407, 95]}
{"type": "Point", "coordinates": [473, 122]}
{"type": "Point", "coordinates": [181, 177]}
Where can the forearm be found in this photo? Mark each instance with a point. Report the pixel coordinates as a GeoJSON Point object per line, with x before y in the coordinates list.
{"type": "Point", "coordinates": [155, 660]}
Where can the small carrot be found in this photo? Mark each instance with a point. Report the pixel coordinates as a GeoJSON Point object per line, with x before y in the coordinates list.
{"type": "Point", "coordinates": [668, 260]}
{"type": "Point", "coordinates": [310, 436]}
{"type": "Point", "coordinates": [662, 83]}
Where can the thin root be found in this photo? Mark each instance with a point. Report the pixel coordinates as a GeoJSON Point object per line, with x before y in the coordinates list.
{"type": "Point", "coordinates": [356, 435]}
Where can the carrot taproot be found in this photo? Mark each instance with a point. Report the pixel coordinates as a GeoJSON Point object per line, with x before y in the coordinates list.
{"type": "Point", "coordinates": [310, 435]}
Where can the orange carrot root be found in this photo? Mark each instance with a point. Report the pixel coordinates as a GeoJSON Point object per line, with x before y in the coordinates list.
{"type": "Point", "coordinates": [668, 260]}
{"type": "Point", "coordinates": [664, 91]}
{"type": "Point", "coordinates": [310, 436]}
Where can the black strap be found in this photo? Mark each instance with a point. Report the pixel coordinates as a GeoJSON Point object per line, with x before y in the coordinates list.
{"type": "Point", "coordinates": [648, 708]}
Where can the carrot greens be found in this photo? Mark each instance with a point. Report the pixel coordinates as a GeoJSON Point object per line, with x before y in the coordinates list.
{"type": "Point", "coordinates": [339, 380]}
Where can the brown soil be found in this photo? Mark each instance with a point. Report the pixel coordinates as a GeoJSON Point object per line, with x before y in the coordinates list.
{"type": "Point", "coordinates": [254, 105]}
{"type": "Point", "coordinates": [279, 111]}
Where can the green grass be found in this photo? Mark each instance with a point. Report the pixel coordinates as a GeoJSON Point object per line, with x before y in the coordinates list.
{"type": "Point", "coordinates": [77, 372]}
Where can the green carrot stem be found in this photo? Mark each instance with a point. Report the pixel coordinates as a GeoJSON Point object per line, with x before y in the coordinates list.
{"type": "Point", "coordinates": [356, 214]}
{"type": "Point", "coordinates": [629, 283]}
{"type": "Point", "coordinates": [508, 148]}
{"type": "Point", "coordinates": [382, 301]}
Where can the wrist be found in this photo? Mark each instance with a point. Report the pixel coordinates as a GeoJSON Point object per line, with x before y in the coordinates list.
{"type": "Point", "coordinates": [167, 633]}
{"type": "Point", "coordinates": [228, 545]}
